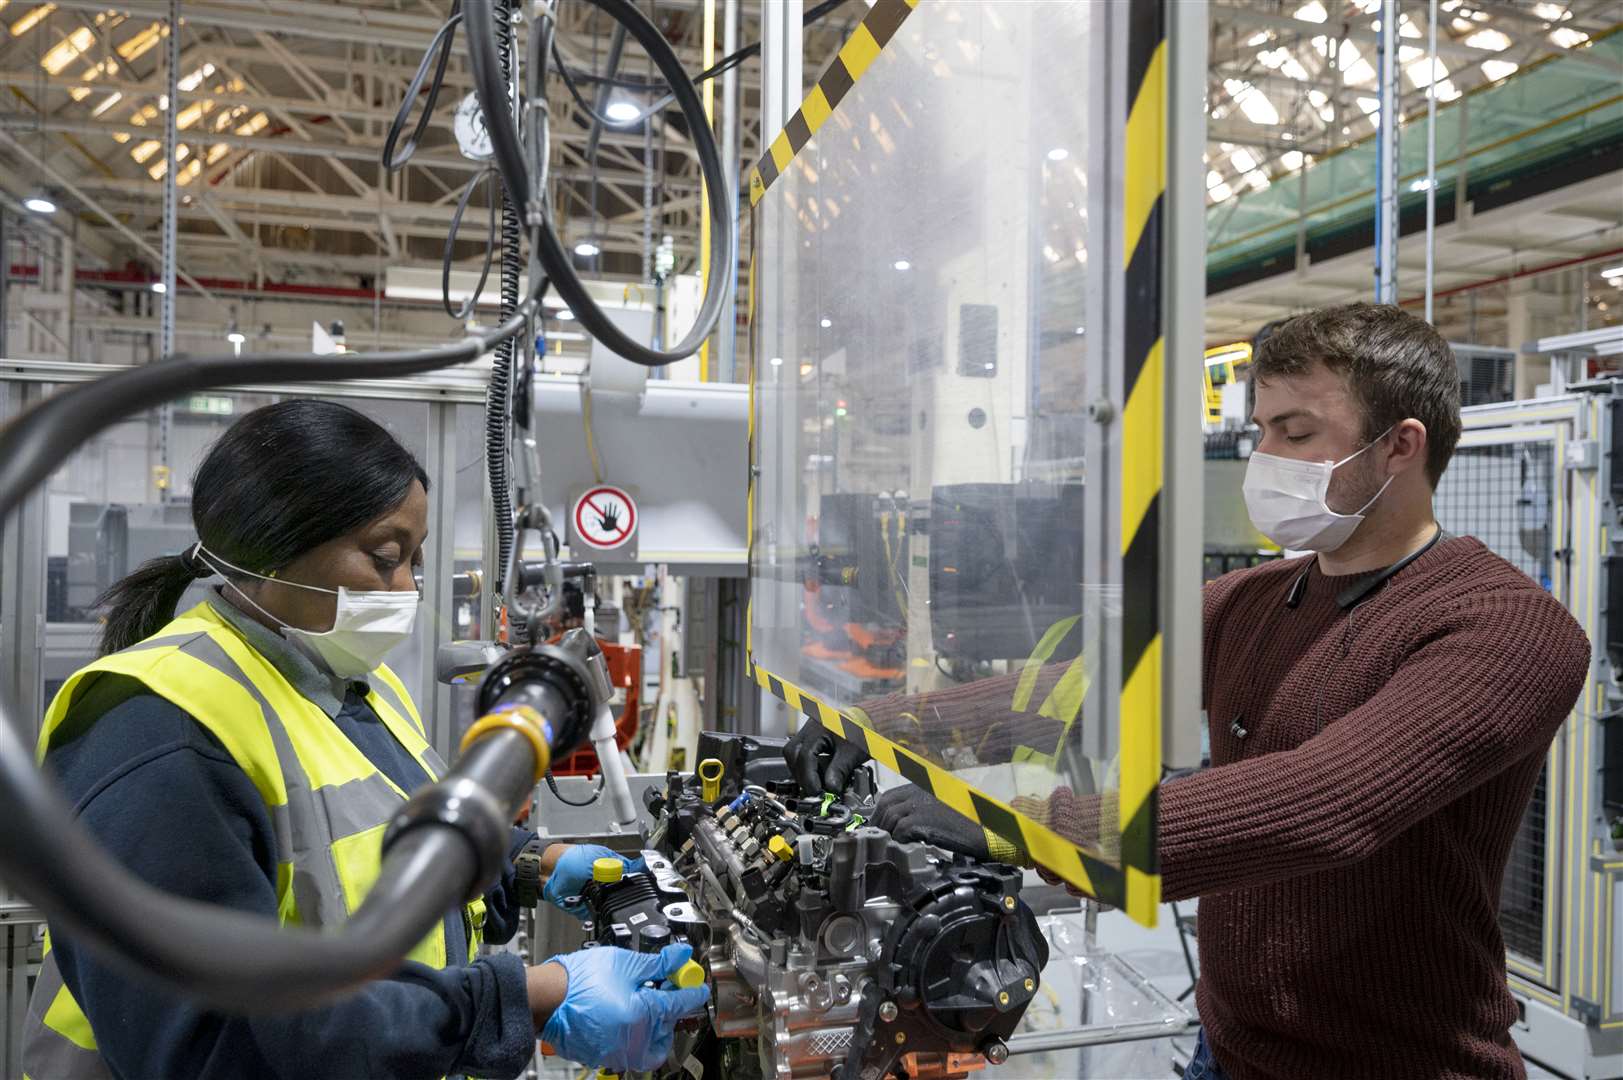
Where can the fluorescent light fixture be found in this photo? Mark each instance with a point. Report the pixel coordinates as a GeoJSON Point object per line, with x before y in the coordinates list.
{"type": "Point", "coordinates": [825, 322]}
{"type": "Point", "coordinates": [587, 250]}
{"type": "Point", "coordinates": [902, 264]}
{"type": "Point", "coordinates": [1420, 185]}
{"type": "Point", "coordinates": [1612, 273]}
{"type": "Point", "coordinates": [236, 337]}
{"type": "Point", "coordinates": [622, 111]}
{"type": "Point", "coordinates": [159, 287]}
{"type": "Point", "coordinates": [39, 204]}
{"type": "Point", "coordinates": [1225, 357]}
{"type": "Point", "coordinates": [566, 315]}
{"type": "Point", "coordinates": [1059, 153]}
{"type": "Point", "coordinates": [777, 361]}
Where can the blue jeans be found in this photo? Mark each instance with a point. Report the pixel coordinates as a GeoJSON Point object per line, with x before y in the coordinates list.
{"type": "Point", "coordinates": [1203, 1066]}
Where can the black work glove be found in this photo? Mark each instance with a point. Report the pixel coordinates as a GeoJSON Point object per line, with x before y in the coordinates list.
{"type": "Point", "coordinates": [820, 761]}
{"type": "Point", "coordinates": [910, 813]}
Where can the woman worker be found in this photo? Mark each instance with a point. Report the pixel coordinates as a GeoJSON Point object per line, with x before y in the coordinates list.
{"type": "Point", "coordinates": [250, 752]}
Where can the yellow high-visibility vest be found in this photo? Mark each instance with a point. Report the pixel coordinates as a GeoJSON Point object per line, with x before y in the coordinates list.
{"type": "Point", "coordinates": [329, 805]}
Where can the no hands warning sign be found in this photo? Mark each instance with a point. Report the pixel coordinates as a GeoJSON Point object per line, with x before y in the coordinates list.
{"type": "Point", "coordinates": [605, 518]}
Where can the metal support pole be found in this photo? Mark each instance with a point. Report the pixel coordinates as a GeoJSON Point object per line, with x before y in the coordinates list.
{"type": "Point", "coordinates": [781, 46]}
{"type": "Point", "coordinates": [166, 302]}
{"type": "Point", "coordinates": [648, 198]}
{"type": "Point", "coordinates": [5, 278]}
{"type": "Point", "coordinates": [1431, 159]}
{"type": "Point", "coordinates": [781, 49]}
{"type": "Point", "coordinates": [1183, 281]}
{"type": "Point", "coordinates": [1386, 161]}
{"type": "Point", "coordinates": [171, 217]}
{"type": "Point", "coordinates": [727, 338]}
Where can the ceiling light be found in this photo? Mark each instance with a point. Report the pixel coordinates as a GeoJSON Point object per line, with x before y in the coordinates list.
{"type": "Point", "coordinates": [777, 361]}
{"type": "Point", "coordinates": [30, 20]}
{"type": "Point", "coordinates": [1488, 38]}
{"type": "Point", "coordinates": [825, 322]}
{"type": "Point", "coordinates": [1612, 273]}
{"type": "Point", "coordinates": [236, 337]}
{"type": "Point", "coordinates": [1420, 185]}
{"type": "Point", "coordinates": [587, 250]}
{"type": "Point", "coordinates": [805, 368]}
{"type": "Point", "coordinates": [566, 315]}
{"type": "Point", "coordinates": [39, 204]}
{"type": "Point", "coordinates": [1059, 153]}
{"type": "Point", "coordinates": [902, 264]}
{"type": "Point", "coordinates": [1081, 330]}
{"type": "Point", "coordinates": [159, 287]}
{"type": "Point", "coordinates": [622, 112]}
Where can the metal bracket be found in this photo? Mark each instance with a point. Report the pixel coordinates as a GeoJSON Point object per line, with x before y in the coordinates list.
{"type": "Point", "coordinates": [1583, 454]}
{"type": "Point", "coordinates": [1589, 1011]}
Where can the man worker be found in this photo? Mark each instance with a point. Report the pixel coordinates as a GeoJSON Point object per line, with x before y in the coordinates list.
{"type": "Point", "coordinates": [1379, 712]}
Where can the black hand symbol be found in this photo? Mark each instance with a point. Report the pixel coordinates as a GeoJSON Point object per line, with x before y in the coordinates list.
{"type": "Point", "coordinates": [609, 520]}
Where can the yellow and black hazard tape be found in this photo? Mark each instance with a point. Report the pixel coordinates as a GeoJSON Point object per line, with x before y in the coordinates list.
{"type": "Point", "coordinates": [1035, 842]}
{"type": "Point", "coordinates": [1142, 423]}
{"type": "Point", "coordinates": [854, 58]}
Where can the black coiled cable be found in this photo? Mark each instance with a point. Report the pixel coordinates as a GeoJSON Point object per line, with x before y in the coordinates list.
{"type": "Point", "coordinates": [501, 369]}
{"type": "Point", "coordinates": [511, 160]}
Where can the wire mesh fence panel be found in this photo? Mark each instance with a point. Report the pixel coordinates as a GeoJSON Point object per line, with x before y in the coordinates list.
{"type": "Point", "coordinates": [1504, 495]}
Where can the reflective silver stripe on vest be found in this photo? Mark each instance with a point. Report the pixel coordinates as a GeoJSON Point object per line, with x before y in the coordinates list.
{"type": "Point", "coordinates": [314, 818]}
{"type": "Point", "coordinates": [48, 1055]}
{"type": "Point", "coordinates": [436, 764]}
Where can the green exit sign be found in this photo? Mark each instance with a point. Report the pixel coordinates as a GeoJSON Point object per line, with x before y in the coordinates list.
{"type": "Point", "coordinates": [211, 404]}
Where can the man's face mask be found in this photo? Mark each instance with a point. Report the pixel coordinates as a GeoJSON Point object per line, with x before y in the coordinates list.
{"type": "Point", "coordinates": [1286, 501]}
{"type": "Point", "coordinates": [366, 625]}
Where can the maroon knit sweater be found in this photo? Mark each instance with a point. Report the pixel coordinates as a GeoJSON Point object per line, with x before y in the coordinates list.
{"type": "Point", "coordinates": [1348, 850]}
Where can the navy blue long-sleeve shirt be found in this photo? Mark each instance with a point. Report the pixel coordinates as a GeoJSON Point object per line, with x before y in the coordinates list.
{"type": "Point", "coordinates": [157, 789]}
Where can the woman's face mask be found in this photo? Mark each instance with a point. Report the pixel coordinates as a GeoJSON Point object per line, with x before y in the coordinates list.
{"type": "Point", "coordinates": [1286, 501]}
{"type": "Point", "coordinates": [366, 625]}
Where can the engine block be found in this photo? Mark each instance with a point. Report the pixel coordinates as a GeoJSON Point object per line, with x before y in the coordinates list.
{"type": "Point", "coordinates": [832, 949]}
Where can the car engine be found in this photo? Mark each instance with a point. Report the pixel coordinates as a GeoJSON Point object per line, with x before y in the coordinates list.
{"type": "Point", "coordinates": [832, 950]}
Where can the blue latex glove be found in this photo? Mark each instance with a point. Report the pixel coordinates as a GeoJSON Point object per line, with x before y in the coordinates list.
{"type": "Point", "coordinates": [574, 870]}
{"type": "Point", "coordinates": [608, 1019]}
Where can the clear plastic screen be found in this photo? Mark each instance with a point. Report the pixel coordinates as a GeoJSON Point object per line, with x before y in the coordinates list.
{"type": "Point", "coordinates": [921, 549]}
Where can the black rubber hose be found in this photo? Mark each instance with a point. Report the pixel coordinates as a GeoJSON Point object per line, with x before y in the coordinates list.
{"type": "Point", "coordinates": [501, 367]}
{"type": "Point", "coordinates": [235, 960]}
{"type": "Point", "coordinates": [492, 193]}
{"type": "Point", "coordinates": [228, 959]}
{"type": "Point", "coordinates": [485, 66]}
{"type": "Point", "coordinates": [442, 43]}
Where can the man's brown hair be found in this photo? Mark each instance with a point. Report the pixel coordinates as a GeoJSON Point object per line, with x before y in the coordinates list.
{"type": "Point", "coordinates": [1396, 365]}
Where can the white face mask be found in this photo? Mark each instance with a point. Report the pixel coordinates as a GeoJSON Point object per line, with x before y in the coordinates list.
{"type": "Point", "coordinates": [366, 625]}
{"type": "Point", "coordinates": [1285, 499]}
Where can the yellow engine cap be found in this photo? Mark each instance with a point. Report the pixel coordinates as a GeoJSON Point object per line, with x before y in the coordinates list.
{"type": "Point", "coordinates": [780, 847]}
{"type": "Point", "coordinates": [689, 975]}
{"type": "Point", "coordinates": [607, 871]}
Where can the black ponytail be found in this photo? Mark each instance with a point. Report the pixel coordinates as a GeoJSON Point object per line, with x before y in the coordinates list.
{"type": "Point", "coordinates": [282, 480]}
{"type": "Point", "coordinates": [139, 604]}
